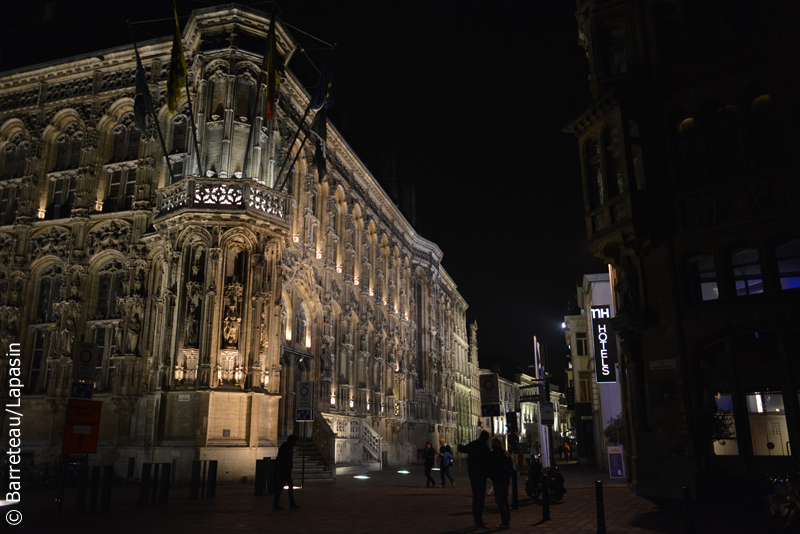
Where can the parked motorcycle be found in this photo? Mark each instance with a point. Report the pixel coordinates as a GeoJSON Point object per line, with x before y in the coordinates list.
{"type": "Point", "coordinates": [783, 504]}
{"type": "Point", "coordinates": [537, 476]}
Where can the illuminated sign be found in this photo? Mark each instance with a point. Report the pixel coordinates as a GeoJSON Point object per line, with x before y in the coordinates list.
{"type": "Point", "coordinates": [605, 345]}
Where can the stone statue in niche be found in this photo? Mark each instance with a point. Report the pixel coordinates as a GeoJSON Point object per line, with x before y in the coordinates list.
{"type": "Point", "coordinates": [327, 365]}
{"type": "Point", "coordinates": [231, 330]}
{"type": "Point", "coordinates": [68, 336]}
{"type": "Point", "coordinates": [627, 287]}
{"type": "Point", "coordinates": [119, 331]}
{"type": "Point", "coordinates": [192, 331]}
{"type": "Point", "coordinates": [133, 334]}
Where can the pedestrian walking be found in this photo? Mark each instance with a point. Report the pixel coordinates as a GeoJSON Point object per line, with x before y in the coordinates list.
{"type": "Point", "coordinates": [567, 451]}
{"type": "Point", "coordinates": [283, 473]}
{"type": "Point", "coordinates": [500, 471]}
{"type": "Point", "coordinates": [446, 461]}
{"type": "Point", "coordinates": [428, 458]}
{"type": "Point", "coordinates": [560, 451]}
{"type": "Point", "coordinates": [478, 469]}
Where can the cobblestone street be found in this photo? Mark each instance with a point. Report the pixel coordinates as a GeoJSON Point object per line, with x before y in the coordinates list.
{"type": "Point", "coordinates": [387, 502]}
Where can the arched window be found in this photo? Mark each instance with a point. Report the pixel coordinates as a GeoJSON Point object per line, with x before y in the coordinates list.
{"type": "Point", "coordinates": [746, 266]}
{"type": "Point", "coordinates": [68, 148]}
{"type": "Point", "coordinates": [594, 172]}
{"type": "Point", "coordinates": [686, 149]}
{"type": "Point", "coordinates": [702, 278]}
{"type": "Point", "coordinates": [615, 177]}
{"type": "Point", "coordinates": [787, 254]}
{"type": "Point", "coordinates": [50, 284]}
{"type": "Point", "coordinates": [764, 125]}
{"type": "Point", "coordinates": [125, 140]}
{"type": "Point", "coordinates": [14, 156]}
{"type": "Point", "coordinates": [109, 289]}
{"type": "Point", "coordinates": [179, 144]}
{"type": "Point", "coordinates": [722, 139]}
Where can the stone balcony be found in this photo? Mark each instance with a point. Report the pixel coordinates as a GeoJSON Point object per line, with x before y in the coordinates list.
{"type": "Point", "coordinates": [223, 195]}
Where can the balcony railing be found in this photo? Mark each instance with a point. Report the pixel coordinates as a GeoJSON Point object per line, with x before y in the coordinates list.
{"type": "Point", "coordinates": [195, 193]}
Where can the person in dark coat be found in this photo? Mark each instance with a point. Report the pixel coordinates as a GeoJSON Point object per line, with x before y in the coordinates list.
{"type": "Point", "coordinates": [446, 462]}
{"type": "Point", "coordinates": [478, 469]}
{"type": "Point", "coordinates": [283, 472]}
{"type": "Point", "coordinates": [500, 471]}
{"type": "Point", "coordinates": [428, 458]}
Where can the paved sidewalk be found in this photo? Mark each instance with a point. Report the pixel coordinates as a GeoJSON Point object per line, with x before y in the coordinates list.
{"type": "Point", "coordinates": [388, 502]}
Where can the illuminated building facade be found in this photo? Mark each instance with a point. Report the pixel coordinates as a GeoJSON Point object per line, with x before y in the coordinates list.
{"type": "Point", "coordinates": [210, 296]}
{"type": "Point", "coordinates": [691, 194]}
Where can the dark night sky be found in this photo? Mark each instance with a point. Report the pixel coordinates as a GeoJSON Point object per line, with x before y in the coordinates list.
{"type": "Point", "coordinates": [470, 97]}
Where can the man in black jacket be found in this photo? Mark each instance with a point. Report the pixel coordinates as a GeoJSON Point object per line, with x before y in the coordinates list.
{"type": "Point", "coordinates": [478, 462]}
{"type": "Point", "coordinates": [283, 473]}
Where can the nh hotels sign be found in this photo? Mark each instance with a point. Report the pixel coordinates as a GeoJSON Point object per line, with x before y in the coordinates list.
{"type": "Point", "coordinates": [605, 345]}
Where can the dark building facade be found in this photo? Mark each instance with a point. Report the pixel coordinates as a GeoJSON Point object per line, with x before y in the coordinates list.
{"type": "Point", "coordinates": [691, 192]}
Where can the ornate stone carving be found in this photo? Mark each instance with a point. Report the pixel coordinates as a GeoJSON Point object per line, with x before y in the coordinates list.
{"type": "Point", "coordinates": [56, 241]}
{"type": "Point", "coordinates": [113, 235]}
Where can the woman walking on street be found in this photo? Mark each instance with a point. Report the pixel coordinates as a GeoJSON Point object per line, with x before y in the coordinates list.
{"type": "Point", "coordinates": [428, 458]}
{"type": "Point", "coordinates": [500, 471]}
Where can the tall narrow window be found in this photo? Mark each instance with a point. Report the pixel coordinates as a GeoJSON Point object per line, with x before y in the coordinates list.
{"type": "Point", "coordinates": [768, 429]}
{"type": "Point", "coordinates": [788, 257]}
{"type": "Point", "coordinates": [702, 274]}
{"type": "Point", "coordinates": [68, 148]}
{"type": "Point", "coordinates": [63, 197]}
{"type": "Point", "coordinates": [121, 190]}
{"type": "Point", "coordinates": [14, 156]}
{"type": "Point", "coordinates": [721, 426]}
{"type": "Point", "coordinates": [746, 266]}
{"type": "Point", "coordinates": [109, 289]}
{"type": "Point", "coordinates": [580, 344]}
{"type": "Point", "coordinates": [126, 140]}
{"type": "Point", "coordinates": [8, 204]}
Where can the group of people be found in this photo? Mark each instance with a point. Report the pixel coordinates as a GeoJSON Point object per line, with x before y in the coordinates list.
{"type": "Point", "coordinates": [484, 462]}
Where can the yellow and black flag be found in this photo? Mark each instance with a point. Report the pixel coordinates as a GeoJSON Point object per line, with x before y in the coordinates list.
{"type": "Point", "coordinates": [177, 69]}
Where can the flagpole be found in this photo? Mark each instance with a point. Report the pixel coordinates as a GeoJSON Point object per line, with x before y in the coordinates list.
{"type": "Point", "coordinates": [155, 119]}
{"type": "Point", "coordinates": [299, 151]}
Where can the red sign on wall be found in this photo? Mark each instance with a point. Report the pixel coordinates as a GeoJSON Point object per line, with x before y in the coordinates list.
{"type": "Point", "coordinates": [83, 427]}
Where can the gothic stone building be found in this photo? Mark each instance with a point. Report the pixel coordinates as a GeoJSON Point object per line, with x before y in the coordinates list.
{"type": "Point", "coordinates": [691, 194]}
{"type": "Point", "coordinates": [211, 296]}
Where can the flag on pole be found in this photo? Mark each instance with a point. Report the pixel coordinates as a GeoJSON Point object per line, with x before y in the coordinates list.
{"type": "Point", "coordinates": [177, 69]}
{"type": "Point", "coordinates": [320, 131]}
{"type": "Point", "coordinates": [323, 94]}
{"type": "Point", "coordinates": [273, 78]}
{"type": "Point", "coordinates": [142, 102]}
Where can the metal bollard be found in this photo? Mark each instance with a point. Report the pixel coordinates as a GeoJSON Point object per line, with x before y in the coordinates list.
{"type": "Point", "coordinates": [94, 490]}
{"type": "Point", "coordinates": [270, 475]}
{"type": "Point", "coordinates": [154, 478]}
{"type": "Point", "coordinates": [212, 479]}
{"type": "Point", "coordinates": [687, 505]}
{"type": "Point", "coordinates": [163, 493]}
{"type": "Point", "coordinates": [545, 498]}
{"type": "Point", "coordinates": [601, 511]}
{"type": "Point", "coordinates": [514, 494]}
{"type": "Point", "coordinates": [194, 487]}
{"type": "Point", "coordinates": [108, 478]}
{"type": "Point", "coordinates": [261, 477]}
{"type": "Point", "coordinates": [144, 484]}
